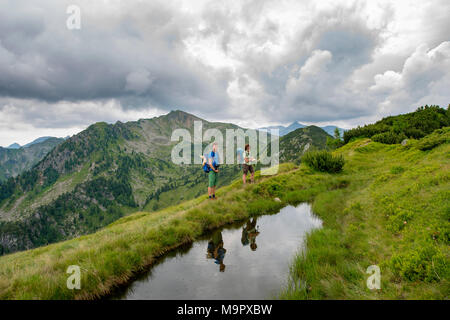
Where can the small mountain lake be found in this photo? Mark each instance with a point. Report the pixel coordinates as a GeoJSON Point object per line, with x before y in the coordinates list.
{"type": "Point", "coordinates": [249, 260]}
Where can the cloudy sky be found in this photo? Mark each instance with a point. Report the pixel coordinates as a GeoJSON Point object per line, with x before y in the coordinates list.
{"type": "Point", "coordinates": [254, 63]}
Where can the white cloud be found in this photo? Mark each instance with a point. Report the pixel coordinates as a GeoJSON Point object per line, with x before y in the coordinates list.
{"type": "Point", "coordinates": [424, 79]}
{"type": "Point", "coordinates": [311, 74]}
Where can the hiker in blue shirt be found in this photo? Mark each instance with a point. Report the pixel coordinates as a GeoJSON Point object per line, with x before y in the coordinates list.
{"type": "Point", "coordinates": [211, 166]}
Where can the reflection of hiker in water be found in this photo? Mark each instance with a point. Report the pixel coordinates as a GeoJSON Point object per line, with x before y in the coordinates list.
{"type": "Point", "coordinates": [249, 234]}
{"type": "Point", "coordinates": [216, 250]}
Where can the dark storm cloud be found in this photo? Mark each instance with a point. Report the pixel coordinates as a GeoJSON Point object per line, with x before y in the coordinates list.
{"type": "Point", "coordinates": [137, 56]}
{"type": "Point", "coordinates": [241, 60]}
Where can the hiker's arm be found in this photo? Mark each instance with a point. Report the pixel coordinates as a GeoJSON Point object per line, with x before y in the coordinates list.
{"type": "Point", "coordinates": [211, 166]}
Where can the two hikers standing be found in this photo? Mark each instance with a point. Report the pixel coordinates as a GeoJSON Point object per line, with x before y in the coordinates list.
{"type": "Point", "coordinates": [211, 166]}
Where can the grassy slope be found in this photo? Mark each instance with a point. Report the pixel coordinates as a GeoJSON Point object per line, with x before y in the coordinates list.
{"type": "Point", "coordinates": [394, 214]}
{"type": "Point", "coordinates": [377, 181]}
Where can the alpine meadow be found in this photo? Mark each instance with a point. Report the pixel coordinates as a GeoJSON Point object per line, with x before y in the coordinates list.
{"type": "Point", "coordinates": [387, 205]}
{"type": "Point", "coordinates": [211, 159]}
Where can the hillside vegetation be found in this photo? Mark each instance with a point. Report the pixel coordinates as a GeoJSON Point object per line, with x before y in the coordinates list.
{"type": "Point", "coordinates": [294, 144]}
{"type": "Point", "coordinates": [389, 207]}
{"type": "Point", "coordinates": [395, 129]}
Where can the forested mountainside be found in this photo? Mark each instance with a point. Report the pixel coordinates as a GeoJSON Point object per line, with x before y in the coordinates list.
{"type": "Point", "coordinates": [296, 143]}
{"type": "Point", "coordinates": [98, 176]}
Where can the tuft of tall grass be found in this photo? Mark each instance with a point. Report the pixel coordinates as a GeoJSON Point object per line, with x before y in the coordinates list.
{"type": "Point", "coordinates": [324, 161]}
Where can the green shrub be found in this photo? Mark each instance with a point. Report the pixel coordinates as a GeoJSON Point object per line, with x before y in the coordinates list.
{"type": "Point", "coordinates": [389, 137]}
{"type": "Point", "coordinates": [426, 263]}
{"type": "Point", "coordinates": [399, 220]}
{"type": "Point", "coordinates": [435, 139]}
{"type": "Point", "coordinates": [324, 161]}
{"type": "Point", "coordinates": [271, 188]}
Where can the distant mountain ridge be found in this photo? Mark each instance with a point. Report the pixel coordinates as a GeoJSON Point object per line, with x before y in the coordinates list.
{"type": "Point", "coordinates": [38, 140]}
{"type": "Point", "coordinates": [15, 145]}
{"type": "Point", "coordinates": [294, 144]}
{"type": "Point", "coordinates": [14, 161]}
{"type": "Point", "coordinates": [284, 130]}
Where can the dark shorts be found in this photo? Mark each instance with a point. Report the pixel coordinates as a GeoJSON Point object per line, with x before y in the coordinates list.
{"type": "Point", "coordinates": [248, 168]}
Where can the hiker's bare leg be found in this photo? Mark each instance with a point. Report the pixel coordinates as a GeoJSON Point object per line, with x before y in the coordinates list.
{"type": "Point", "coordinates": [214, 192]}
{"type": "Point", "coordinates": [244, 178]}
{"type": "Point", "coordinates": [209, 191]}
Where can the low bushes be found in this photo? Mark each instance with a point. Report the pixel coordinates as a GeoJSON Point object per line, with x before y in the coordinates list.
{"type": "Point", "coordinates": [414, 125]}
{"type": "Point", "coordinates": [435, 139]}
{"type": "Point", "coordinates": [426, 263]}
{"type": "Point", "coordinates": [324, 161]}
{"type": "Point", "coordinates": [389, 137]}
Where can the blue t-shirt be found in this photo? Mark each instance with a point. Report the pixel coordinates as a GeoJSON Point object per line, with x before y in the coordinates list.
{"type": "Point", "coordinates": [215, 159]}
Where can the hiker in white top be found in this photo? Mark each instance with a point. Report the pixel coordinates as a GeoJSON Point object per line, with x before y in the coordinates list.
{"type": "Point", "coordinates": [248, 165]}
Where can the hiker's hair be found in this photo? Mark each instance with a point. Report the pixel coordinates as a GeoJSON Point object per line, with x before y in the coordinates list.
{"type": "Point", "coordinates": [246, 147]}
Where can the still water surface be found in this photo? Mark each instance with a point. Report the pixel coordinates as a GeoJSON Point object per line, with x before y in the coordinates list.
{"type": "Point", "coordinates": [249, 260]}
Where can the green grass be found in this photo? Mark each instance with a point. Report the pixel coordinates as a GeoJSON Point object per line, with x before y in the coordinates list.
{"type": "Point", "coordinates": [323, 160]}
{"type": "Point", "coordinates": [394, 213]}
{"type": "Point", "coordinates": [363, 208]}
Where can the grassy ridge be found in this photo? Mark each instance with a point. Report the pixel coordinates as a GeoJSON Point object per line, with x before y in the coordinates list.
{"type": "Point", "coordinates": [363, 209]}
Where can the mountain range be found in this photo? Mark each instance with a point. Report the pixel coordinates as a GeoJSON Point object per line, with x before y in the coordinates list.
{"type": "Point", "coordinates": [14, 161]}
{"type": "Point", "coordinates": [15, 145]}
{"type": "Point", "coordinates": [284, 130]}
{"type": "Point", "coordinates": [107, 171]}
